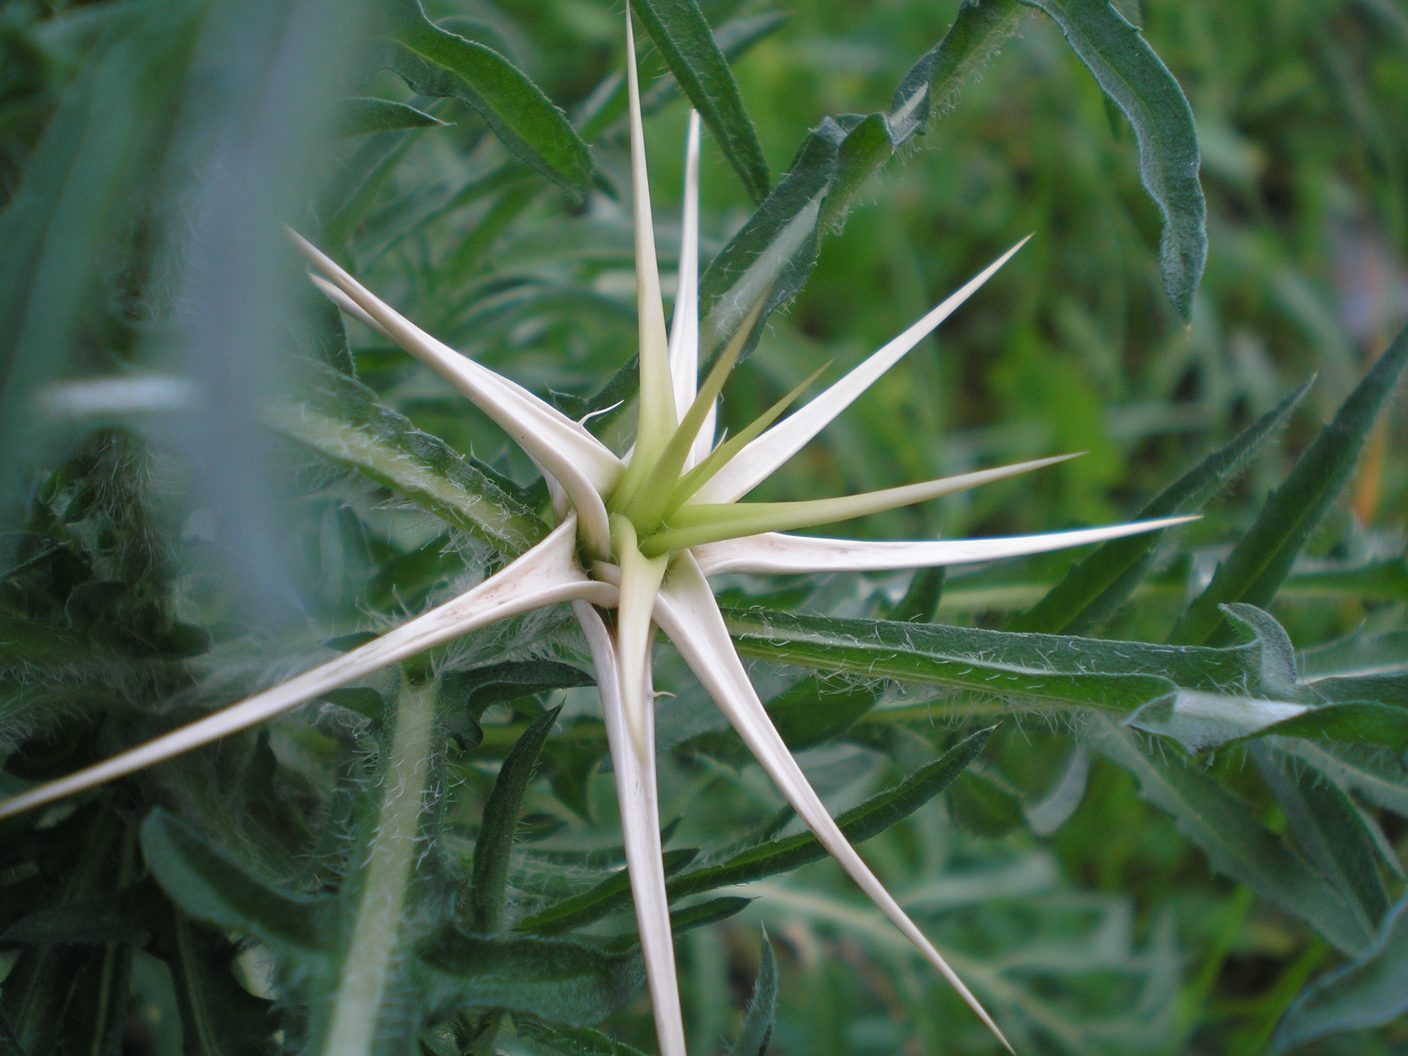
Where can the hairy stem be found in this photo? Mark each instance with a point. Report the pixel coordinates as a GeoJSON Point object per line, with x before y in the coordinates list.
{"type": "Point", "coordinates": [376, 935]}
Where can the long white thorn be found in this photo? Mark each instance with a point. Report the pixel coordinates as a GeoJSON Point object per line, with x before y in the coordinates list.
{"type": "Point", "coordinates": [640, 824]}
{"type": "Point", "coordinates": [687, 612]}
{"type": "Point", "coordinates": [756, 462]}
{"type": "Point", "coordinates": [581, 464]}
{"type": "Point", "coordinates": [684, 324]}
{"type": "Point", "coordinates": [545, 575]}
{"type": "Point", "coordinates": [348, 305]}
{"type": "Point", "coordinates": [657, 398]}
{"type": "Point", "coordinates": [777, 554]}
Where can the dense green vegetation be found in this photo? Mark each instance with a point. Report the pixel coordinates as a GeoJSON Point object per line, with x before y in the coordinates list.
{"type": "Point", "coordinates": [1149, 797]}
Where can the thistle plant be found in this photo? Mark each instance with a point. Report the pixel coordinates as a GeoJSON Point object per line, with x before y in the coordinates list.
{"type": "Point", "coordinates": [636, 540]}
{"type": "Point", "coordinates": [386, 940]}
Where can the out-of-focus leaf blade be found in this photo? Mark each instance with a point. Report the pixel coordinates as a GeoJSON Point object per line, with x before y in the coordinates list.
{"type": "Point", "coordinates": [210, 885]}
{"type": "Point", "coordinates": [1262, 558]}
{"type": "Point", "coordinates": [1331, 833]}
{"type": "Point", "coordinates": [363, 116]}
{"type": "Point", "coordinates": [1101, 580]}
{"type": "Point", "coordinates": [1376, 774]}
{"type": "Point", "coordinates": [755, 1034]}
{"type": "Point", "coordinates": [71, 200]}
{"type": "Point", "coordinates": [437, 62]}
{"type": "Point", "coordinates": [575, 1041]}
{"type": "Point", "coordinates": [679, 31]}
{"type": "Point", "coordinates": [219, 1017]}
{"type": "Point", "coordinates": [1369, 991]}
{"type": "Point", "coordinates": [1137, 81]}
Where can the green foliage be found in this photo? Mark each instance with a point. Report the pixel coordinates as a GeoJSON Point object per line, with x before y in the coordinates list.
{"type": "Point", "coordinates": [678, 29]}
{"type": "Point", "coordinates": [1366, 992]}
{"type": "Point", "coordinates": [756, 1032]}
{"type": "Point", "coordinates": [1264, 555]}
{"type": "Point", "coordinates": [437, 62]}
{"type": "Point", "coordinates": [1126, 839]}
{"type": "Point", "coordinates": [1136, 81]}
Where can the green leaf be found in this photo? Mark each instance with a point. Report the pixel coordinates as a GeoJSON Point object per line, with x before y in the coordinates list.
{"type": "Point", "coordinates": [112, 917]}
{"type": "Point", "coordinates": [872, 817]}
{"type": "Point", "coordinates": [983, 803]}
{"type": "Point", "coordinates": [756, 1033]}
{"type": "Point", "coordinates": [597, 901]}
{"type": "Point", "coordinates": [774, 252]}
{"type": "Point", "coordinates": [679, 31]}
{"type": "Point", "coordinates": [362, 116]}
{"type": "Point", "coordinates": [768, 856]}
{"type": "Point", "coordinates": [1331, 833]}
{"type": "Point", "coordinates": [436, 62]}
{"type": "Point", "coordinates": [341, 419]}
{"type": "Point", "coordinates": [559, 981]}
{"type": "Point", "coordinates": [74, 198]}
{"type": "Point", "coordinates": [1203, 696]}
{"type": "Point", "coordinates": [776, 248]}
{"type": "Point", "coordinates": [1135, 80]}
{"type": "Point", "coordinates": [1235, 842]}
{"type": "Point", "coordinates": [511, 681]}
{"type": "Point", "coordinates": [219, 1017]}
{"type": "Point", "coordinates": [211, 885]}
{"type": "Point", "coordinates": [1099, 582]}
{"type": "Point", "coordinates": [1377, 775]}
{"type": "Point", "coordinates": [573, 1041]}
{"type": "Point", "coordinates": [1050, 669]}
{"type": "Point", "coordinates": [495, 843]}
{"type": "Point", "coordinates": [1369, 991]}
{"type": "Point", "coordinates": [1263, 556]}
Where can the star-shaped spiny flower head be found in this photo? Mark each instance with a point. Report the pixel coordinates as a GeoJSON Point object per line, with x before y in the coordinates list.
{"type": "Point", "coordinates": [636, 541]}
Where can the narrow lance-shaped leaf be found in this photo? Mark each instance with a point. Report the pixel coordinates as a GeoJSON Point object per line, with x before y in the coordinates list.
{"type": "Point", "coordinates": [1377, 775]}
{"type": "Point", "coordinates": [756, 1033]}
{"type": "Point", "coordinates": [1098, 583]}
{"type": "Point", "coordinates": [210, 885]}
{"type": "Point", "coordinates": [1330, 832]}
{"type": "Point", "coordinates": [1235, 842]}
{"type": "Point", "coordinates": [564, 982]}
{"type": "Point", "coordinates": [874, 816]}
{"type": "Point", "coordinates": [344, 421]}
{"type": "Point", "coordinates": [775, 854]}
{"type": "Point", "coordinates": [1135, 80]}
{"type": "Point", "coordinates": [495, 842]}
{"type": "Point", "coordinates": [1263, 556]}
{"type": "Point", "coordinates": [679, 31]}
{"type": "Point", "coordinates": [434, 61]}
{"type": "Point", "coordinates": [363, 116]}
{"type": "Point", "coordinates": [1370, 991]}
{"type": "Point", "coordinates": [219, 1017]}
